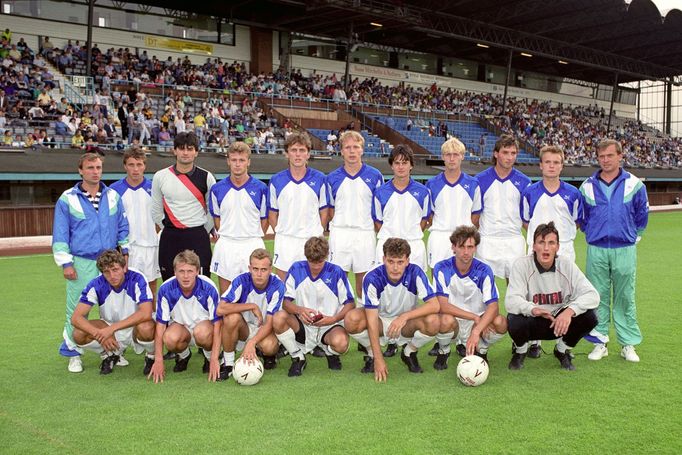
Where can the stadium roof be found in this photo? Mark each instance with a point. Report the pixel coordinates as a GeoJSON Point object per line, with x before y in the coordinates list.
{"type": "Point", "coordinates": [593, 38]}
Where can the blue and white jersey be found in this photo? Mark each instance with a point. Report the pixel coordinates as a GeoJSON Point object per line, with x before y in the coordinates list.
{"type": "Point", "coordinates": [137, 202]}
{"type": "Point", "coordinates": [453, 204]}
{"type": "Point", "coordinates": [174, 306]}
{"type": "Point", "coordinates": [501, 203]}
{"type": "Point", "coordinates": [269, 300]}
{"type": "Point", "coordinates": [394, 299]}
{"type": "Point", "coordinates": [564, 207]}
{"type": "Point", "coordinates": [401, 212]}
{"type": "Point", "coordinates": [299, 203]}
{"type": "Point", "coordinates": [240, 208]}
{"type": "Point", "coordinates": [351, 197]}
{"type": "Point", "coordinates": [472, 292]}
{"type": "Point", "coordinates": [327, 293]}
{"type": "Point", "coordinates": [117, 304]}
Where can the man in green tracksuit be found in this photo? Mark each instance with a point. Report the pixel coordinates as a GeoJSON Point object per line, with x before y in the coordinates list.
{"type": "Point", "coordinates": [616, 212]}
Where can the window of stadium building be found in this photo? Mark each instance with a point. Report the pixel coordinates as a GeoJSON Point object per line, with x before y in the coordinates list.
{"type": "Point", "coordinates": [140, 18]}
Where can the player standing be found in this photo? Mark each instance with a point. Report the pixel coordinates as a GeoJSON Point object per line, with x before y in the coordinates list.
{"type": "Point", "coordinates": [180, 206]}
{"type": "Point", "coordinates": [455, 197]}
{"type": "Point", "coordinates": [298, 204]}
{"type": "Point", "coordinates": [390, 311]}
{"type": "Point", "coordinates": [248, 307]}
{"type": "Point", "coordinates": [125, 313]}
{"type": "Point", "coordinates": [88, 219]}
{"type": "Point", "coordinates": [552, 200]}
{"type": "Point", "coordinates": [186, 316]}
{"type": "Point", "coordinates": [318, 297]}
{"type": "Point", "coordinates": [239, 208]}
{"type": "Point", "coordinates": [135, 191]}
{"type": "Point", "coordinates": [468, 299]}
{"type": "Point", "coordinates": [352, 239]}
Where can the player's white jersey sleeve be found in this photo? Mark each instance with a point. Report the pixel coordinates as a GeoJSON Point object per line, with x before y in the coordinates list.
{"type": "Point", "coordinates": [137, 202]}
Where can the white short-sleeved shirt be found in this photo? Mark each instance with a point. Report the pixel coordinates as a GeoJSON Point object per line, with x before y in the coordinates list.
{"type": "Point", "coordinates": [240, 209]}
{"type": "Point", "coordinates": [564, 207]}
{"type": "Point", "coordinates": [501, 203]}
{"type": "Point", "coordinates": [269, 300]}
{"type": "Point", "coordinates": [173, 306]}
{"type": "Point", "coordinates": [472, 292]}
{"type": "Point", "coordinates": [453, 204]}
{"type": "Point", "coordinates": [137, 202]}
{"type": "Point", "coordinates": [394, 299]}
{"type": "Point", "coordinates": [401, 212]}
{"type": "Point", "coordinates": [117, 305]}
{"type": "Point", "coordinates": [327, 293]}
{"type": "Point", "coordinates": [299, 203]}
{"type": "Point", "coordinates": [351, 197]}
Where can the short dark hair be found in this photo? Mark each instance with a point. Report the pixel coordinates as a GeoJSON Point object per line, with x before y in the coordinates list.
{"type": "Point", "coordinates": [109, 258]}
{"type": "Point", "coordinates": [316, 249]}
{"type": "Point", "coordinates": [186, 139]}
{"type": "Point", "coordinates": [544, 230]}
{"type": "Point", "coordinates": [135, 154]}
{"type": "Point", "coordinates": [401, 151]}
{"type": "Point", "coordinates": [396, 248]}
{"type": "Point", "coordinates": [462, 233]}
{"type": "Point", "coordinates": [298, 137]}
{"type": "Point", "coordinates": [505, 140]}
{"type": "Point", "coordinates": [89, 156]}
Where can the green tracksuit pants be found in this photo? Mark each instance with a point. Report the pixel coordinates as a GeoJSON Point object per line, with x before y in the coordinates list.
{"type": "Point", "coordinates": [86, 270]}
{"type": "Point", "coordinates": [612, 272]}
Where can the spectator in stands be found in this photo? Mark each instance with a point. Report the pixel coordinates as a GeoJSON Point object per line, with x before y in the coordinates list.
{"type": "Point", "coordinates": [6, 35]}
{"type": "Point", "coordinates": [18, 141]}
{"type": "Point", "coordinates": [77, 140]}
{"type": "Point", "coordinates": [47, 46]}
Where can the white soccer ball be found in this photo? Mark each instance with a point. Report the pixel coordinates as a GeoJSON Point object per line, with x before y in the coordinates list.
{"type": "Point", "coordinates": [472, 370]}
{"type": "Point", "coordinates": [247, 373]}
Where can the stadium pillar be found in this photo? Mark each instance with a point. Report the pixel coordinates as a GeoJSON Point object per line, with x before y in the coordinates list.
{"type": "Point", "coordinates": [261, 50]}
{"type": "Point", "coordinates": [88, 41]}
{"type": "Point", "coordinates": [614, 92]}
{"type": "Point", "coordinates": [349, 49]}
{"type": "Point", "coordinates": [668, 105]}
{"type": "Point", "coordinates": [506, 80]}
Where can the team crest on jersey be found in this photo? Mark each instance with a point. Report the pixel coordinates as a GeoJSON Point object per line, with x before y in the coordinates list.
{"type": "Point", "coordinates": [466, 186]}
{"type": "Point", "coordinates": [517, 183]}
{"type": "Point", "coordinates": [328, 280]}
{"type": "Point", "coordinates": [368, 180]}
{"type": "Point", "coordinates": [252, 193]}
{"type": "Point", "coordinates": [311, 183]}
{"type": "Point", "coordinates": [567, 197]}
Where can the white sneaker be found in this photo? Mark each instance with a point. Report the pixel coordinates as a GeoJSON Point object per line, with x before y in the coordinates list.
{"type": "Point", "coordinates": [122, 362]}
{"type": "Point", "coordinates": [600, 351]}
{"type": "Point", "coordinates": [75, 364]}
{"type": "Point", "coordinates": [629, 354]}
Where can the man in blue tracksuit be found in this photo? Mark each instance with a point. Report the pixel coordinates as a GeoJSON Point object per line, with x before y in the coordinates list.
{"type": "Point", "coordinates": [88, 219]}
{"type": "Point", "coordinates": [616, 212]}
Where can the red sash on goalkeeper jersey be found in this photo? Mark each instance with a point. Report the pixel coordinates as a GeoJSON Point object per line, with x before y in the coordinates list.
{"type": "Point", "coordinates": [192, 189]}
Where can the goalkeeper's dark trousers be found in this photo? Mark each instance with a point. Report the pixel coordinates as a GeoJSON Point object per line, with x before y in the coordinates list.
{"type": "Point", "coordinates": [525, 328]}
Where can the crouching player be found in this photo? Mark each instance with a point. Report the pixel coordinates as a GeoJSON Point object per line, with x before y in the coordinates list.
{"type": "Point", "coordinates": [186, 316]}
{"type": "Point", "coordinates": [125, 310]}
{"type": "Point", "coordinates": [247, 308]}
{"type": "Point", "coordinates": [548, 298]}
{"type": "Point", "coordinates": [391, 312]}
{"type": "Point", "coordinates": [322, 295]}
{"type": "Point", "coordinates": [468, 299]}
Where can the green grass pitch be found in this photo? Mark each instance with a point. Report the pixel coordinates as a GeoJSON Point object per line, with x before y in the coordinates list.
{"type": "Point", "coordinates": [604, 407]}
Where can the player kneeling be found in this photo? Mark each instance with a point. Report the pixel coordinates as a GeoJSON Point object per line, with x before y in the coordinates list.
{"type": "Point", "coordinates": [125, 310]}
{"type": "Point", "coordinates": [468, 299]}
{"type": "Point", "coordinates": [323, 297]}
{"type": "Point", "coordinates": [390, 310]}
{"type": "Point", "coordinates": [247, 307]}
{"type": "Point", "coordinates": [186, 316]}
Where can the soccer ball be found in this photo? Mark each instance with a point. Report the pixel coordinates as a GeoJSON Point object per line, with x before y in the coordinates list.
{"type": "Point", "coordinates": [472, 370]}
{"type": "Point", "coordinates": [246, 373]}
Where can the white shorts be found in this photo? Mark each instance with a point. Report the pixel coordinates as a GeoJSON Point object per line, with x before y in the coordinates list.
{"type": "Point", "coordinates": [352, 249]}
{"type": "Point", "coordinates": [417, 255]}
{"type": "Point", "coordinates": [501, 252]}
{"type": "Point", "coordinates": [231, 256]}
{"type": "Point", "coordinates": [438, 247]}
{"type": "Point", "coordinates": [384, 340]}
{"type": "Point", "coordinates": [146, 260]}
{"type": "Point", "coordinates": [488, 338]}
{"type": "Point", "coordinates": [253, 329]}
{"type": "Point", "coordinates": [313, 336]}
{"type": "Point", "coordinates": [287, 251]}
{"type": "Point", "coordinates": [125, 340]}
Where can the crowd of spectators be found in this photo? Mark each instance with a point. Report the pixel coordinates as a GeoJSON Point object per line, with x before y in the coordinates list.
{"type": "Point", "coordinates": [218, 119]}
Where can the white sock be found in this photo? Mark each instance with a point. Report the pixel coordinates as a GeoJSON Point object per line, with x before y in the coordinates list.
{"type": "Point", "coordinates": [444, 340]}
{"type": "Point", "coordinates": [409, 349]}
{"type": "Point", "coordinates": [536, 343]}
{"type": "Point", "coordinates": [288, 340]}
{"type": "Point", "coordinates": [228, 358]}
{"type": "Point", "coordinates": [522, 349]}
{"type": "Point", "coordinates": [146, 345]}
{"type": "Point", "coordinates": [419, 339]}
{"type": "Point", "coordinates": [363, 340]}
{"type": "Point", "coordinates": [184, 354]}
{"type": "Point", "coordinates": [150, 355]}
{"type": "Point", "coordinates": [93, 346]}
{"type": "Point", "coordinates": [332, 351]}
{"type": "Point", "coordinates": [207, 354]}
{"type": "Point", "coordinates": [561, 346]}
